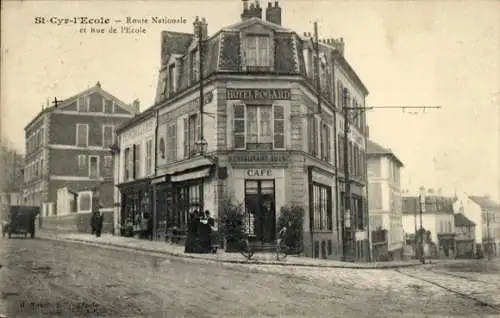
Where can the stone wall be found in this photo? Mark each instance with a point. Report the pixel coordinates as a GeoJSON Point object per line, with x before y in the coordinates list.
{"type": "Point", "coordinates": [77, 223]}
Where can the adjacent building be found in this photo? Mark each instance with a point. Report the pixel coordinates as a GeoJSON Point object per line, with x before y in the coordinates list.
{"type": "Point", "coordinates": [384, 193]}
{"type": "Point", "coordinates": [437, 217]}
{"type": "Point", "coordinates": [485, 213]}
{"type": "Point", "coordinates": [465, 234]}
{"type": "Point", "coordinates": [68, 152]}
{"type": "Point", "coordinates": [260, 138]}
{"type": "Point", "coordinates": [135, 166]}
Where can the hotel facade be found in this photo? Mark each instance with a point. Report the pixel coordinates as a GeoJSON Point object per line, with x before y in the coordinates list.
{"type": "Point", "coordinates": [266, 142]}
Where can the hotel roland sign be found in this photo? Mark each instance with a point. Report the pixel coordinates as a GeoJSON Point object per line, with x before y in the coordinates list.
{"type": "Point", "coordinates": [258, 94]}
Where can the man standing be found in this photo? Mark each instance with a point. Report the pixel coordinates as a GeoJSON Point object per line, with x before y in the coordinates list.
{"type": "Point", "coordinates": [97, 218]}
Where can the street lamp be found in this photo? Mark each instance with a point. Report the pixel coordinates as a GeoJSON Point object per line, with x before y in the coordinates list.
{"type": "Point", "coordinates": [422, 208]}
{"type": "Point", "coordinates": [201, 146]}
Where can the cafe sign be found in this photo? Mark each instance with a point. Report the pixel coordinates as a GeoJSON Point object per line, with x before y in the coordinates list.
{"type": "Point", "coordinates": [258, 94]}
{"type": "Point", "coordinates": [248, 157]}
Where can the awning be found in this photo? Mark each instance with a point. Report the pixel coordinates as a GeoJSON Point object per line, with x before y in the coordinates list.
{"type": "Point", "coordinates": [191, 175]}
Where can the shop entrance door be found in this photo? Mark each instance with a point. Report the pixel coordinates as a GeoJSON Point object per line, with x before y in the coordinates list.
{"type": "Point", "coordinates": [260, 208]}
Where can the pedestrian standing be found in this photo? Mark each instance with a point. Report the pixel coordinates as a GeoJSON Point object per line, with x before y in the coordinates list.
{"type": "Point", "coordinates": [100, 221]}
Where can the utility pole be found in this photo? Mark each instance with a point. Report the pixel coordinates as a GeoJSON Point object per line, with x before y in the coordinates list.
{"type": "Point", "coordinates": [200, 50]}
{"type": "Point", "coordinates": [56, 102]}
{"type": "Point", "coordinates": [421, 208]}
{"type": "Point", "coordinates": [488, 238]}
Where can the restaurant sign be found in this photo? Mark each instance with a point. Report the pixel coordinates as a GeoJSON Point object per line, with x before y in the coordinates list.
{"type": "Point", "coordinates": [248, 157]}
{"type": "Point", "coordinates": [258, 94]}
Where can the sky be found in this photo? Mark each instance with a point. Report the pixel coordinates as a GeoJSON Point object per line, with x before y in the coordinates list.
{"type": "Point", "coordinates": [426, 53]}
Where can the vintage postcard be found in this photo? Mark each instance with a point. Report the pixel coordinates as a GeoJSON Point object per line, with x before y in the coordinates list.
{"type": "Point", "coordinates": [245, 158]}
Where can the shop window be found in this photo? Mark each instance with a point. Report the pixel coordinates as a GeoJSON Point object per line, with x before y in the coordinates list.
{"type": "Point", "coordinates": [188, 198]}
{"type": "Point", "coordinates": [330, 247]}
{"type": "Point", "coordinates": [257, 52]}
{"type": "Point", "coordinates": [322, 208]}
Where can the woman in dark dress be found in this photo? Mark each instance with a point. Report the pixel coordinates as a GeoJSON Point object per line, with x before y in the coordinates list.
{"type": "Point", "coordinates": [204, 232]}
{"type": "Point", "coordinates": [192, 232]}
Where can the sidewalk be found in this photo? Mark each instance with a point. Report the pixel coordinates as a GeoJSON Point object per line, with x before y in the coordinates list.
{"type": "Point", "coordinates": [220, 256]}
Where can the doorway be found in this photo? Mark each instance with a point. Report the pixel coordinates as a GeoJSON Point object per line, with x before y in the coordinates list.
{"type": "Point", "coordinates": [260, 208]}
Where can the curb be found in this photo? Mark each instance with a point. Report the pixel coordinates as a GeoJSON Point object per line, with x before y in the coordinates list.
{"type": "Point", "coordinates": [229, 261]}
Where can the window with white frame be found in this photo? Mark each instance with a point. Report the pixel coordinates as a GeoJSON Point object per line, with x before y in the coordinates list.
{"type": "Point", "coordinates": [128, 164]}
{"type": "Point", "coordinates": [107, 106]}
{"type": "Point", "coordinates": [259, 126]}
{"type": "Point", "coordinates": [325, 142]}
{"type": "Point", "coordinates": [108, 135]}
{"type": "Point", "coordinates": [42, 136]}
{"type": "Point", "coordinates": [108, 166]}
{"type": "Point", "coordinates": [82, 104]}
{"type": "Point", "coordinates": [171, 142]}
{"type": "Point", "coordinates": [81, 161]}
{"type": "Point", "coordinates": [191, 134]}
{"type": "Point", "coordinates": [257, 51]}
{"type": "Point", "coordinates": [82, 135]}
{"type": "Point", "coordinates": [149, 157]}
{"type": "Point", "coordinates": [312, 128]}
{"type": "Point", "coordinates": [93, 167]}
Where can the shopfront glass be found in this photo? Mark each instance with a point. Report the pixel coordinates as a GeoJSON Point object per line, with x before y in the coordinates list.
{"type": "Point", "coordinates": [261, 209]}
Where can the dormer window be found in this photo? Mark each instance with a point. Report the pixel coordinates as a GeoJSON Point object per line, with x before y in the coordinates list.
{"type": "Point", "coordinates": [194, 66]}
{"type": "Point", "coordinates": [83, 105]}
{"type": "Point", "coordinates": [257, 52]}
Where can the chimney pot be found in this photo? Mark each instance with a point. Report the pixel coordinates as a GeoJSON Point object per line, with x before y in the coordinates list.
{"type": "Point", "coordinates": [276, 4]}
{"type": "Point", "coordinates": [98, 84]}
{"type": "Point", "coordinates": [269, 5]}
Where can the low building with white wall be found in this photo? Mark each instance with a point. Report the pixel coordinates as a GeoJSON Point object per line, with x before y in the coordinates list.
{"type": "Point", "coordinates": [485, 213]}
{"type": "Point", "coordinates": [134, 162]}
{"type": "Point", "coordinates": [384, 195]}
{"type": "Point", "coordinates": [437, 217]}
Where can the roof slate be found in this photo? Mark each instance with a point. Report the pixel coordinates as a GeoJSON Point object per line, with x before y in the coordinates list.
{"type": "Point", "coordinates": [461, 220]}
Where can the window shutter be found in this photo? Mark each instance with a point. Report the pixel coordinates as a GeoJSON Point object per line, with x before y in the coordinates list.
{"type": "Point", "coordinates": [279, 127]}
{"type": "Point", "coordinates": [197, 135]}
{"type": "Point", "coordinates": [134, 173]}
{"type": "Point", "coordinates": [239, 126]}
{"type": "Point", "coordinates": [186, 137]}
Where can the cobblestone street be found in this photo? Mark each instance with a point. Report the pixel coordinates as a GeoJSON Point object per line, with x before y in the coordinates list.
{"type": "Point", "coordinates": [43, 278]}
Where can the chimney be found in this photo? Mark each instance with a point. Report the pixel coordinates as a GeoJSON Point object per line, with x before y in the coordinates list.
{"type": "Point", "coordinates": [136, 104]}
{"type": "Point", "coordinates": [258, 10]}
{"type": "Point", "coordinates": [200, 25]}
{"type": "Point", "coordinates": [273, 14]}
{"type": "Point", "coordinates": [98, 84]}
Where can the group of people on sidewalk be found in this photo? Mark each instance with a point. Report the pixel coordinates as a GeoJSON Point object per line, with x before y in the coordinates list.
{"type": "Point", "coordinates": [200, 228]}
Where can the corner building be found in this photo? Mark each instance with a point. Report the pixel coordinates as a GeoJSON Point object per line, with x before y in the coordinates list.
{"type": "Point", "coordinates": [268, 145]}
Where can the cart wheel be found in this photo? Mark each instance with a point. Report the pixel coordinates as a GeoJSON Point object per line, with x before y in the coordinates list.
{"type": "Point", "coordinates": [247, 250]}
